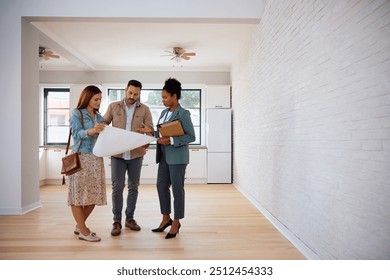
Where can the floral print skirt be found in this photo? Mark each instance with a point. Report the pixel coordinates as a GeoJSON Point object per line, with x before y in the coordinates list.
{"type": "Point", "coordinates": [88, 186]}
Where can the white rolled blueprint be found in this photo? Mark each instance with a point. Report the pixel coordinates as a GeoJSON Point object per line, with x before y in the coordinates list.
{"type": "Point", "coordinates": [113, 141]}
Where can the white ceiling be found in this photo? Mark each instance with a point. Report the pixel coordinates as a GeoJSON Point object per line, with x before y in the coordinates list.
{"type": "Point", "coordinates": [131, 46]}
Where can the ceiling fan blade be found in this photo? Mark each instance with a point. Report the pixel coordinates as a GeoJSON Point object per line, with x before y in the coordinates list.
{"type": "Point", "coordinates": [49, 54]}
{"type": "Point", "coordinates": [185, 57]}
{"type": "Point", "coordinates": [189, 54]}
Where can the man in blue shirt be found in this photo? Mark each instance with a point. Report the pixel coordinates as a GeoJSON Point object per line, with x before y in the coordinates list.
{"type": "Point", "coordinates": [131, 115]}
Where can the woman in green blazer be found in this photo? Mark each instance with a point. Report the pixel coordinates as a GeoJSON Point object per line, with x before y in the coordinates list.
{"type": "Point", "coordinates": [172, 154]}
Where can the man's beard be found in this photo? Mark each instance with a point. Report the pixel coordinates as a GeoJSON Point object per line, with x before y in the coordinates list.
{"type": "Point", "coordinates": [130, 101]}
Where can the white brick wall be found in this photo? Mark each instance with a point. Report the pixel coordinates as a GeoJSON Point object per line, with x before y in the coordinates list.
{"type": "Point", "coordinates": [311, 105]}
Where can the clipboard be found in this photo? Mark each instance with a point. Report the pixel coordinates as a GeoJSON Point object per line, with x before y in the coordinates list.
{"type": "Point", "coordinates": [171, 129]}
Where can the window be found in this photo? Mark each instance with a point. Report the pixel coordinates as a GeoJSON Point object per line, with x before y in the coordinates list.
{"type": "Point", "coordinates": [56, 116]}
{"type": "Point", "coordinates": [190, 100]}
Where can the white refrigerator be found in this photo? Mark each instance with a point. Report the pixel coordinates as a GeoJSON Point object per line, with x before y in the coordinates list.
{"type": "Point", "coordinates": [219, 146]}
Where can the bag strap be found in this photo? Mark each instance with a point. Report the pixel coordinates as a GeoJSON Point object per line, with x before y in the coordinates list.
{"type": "Point", "coordinates": [70, 133]}
{"type": "Point", "coordinates": [66, 153]}
{"type": "Point", "coordinates": [67, 145]}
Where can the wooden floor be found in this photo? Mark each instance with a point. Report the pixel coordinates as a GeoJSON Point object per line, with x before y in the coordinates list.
{"type": "Point", "coordinates": [220, 224]}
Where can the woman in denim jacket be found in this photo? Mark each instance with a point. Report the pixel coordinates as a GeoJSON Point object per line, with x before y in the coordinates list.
{"type": "Point", "coordinates": [87, 187]}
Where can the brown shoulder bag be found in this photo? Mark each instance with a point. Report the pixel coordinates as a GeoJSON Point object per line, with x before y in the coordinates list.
{"type": "Point", "coordinates": [71, 163]}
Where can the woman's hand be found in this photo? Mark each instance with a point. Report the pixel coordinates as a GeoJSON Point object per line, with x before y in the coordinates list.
{"type": "Point", "coordinates": [99, 127]}
{"type": "Point", "coordinates": [164, 140]}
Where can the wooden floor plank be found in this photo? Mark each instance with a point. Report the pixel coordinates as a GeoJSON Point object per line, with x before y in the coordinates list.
{"type": "Point", "coordinates": [220, 223]}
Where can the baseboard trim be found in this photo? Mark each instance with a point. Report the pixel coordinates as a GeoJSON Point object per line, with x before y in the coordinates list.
{"type": "Point", "coordinates": [301, 247]}
{"type": "Point", "coordinates": [20, 211]}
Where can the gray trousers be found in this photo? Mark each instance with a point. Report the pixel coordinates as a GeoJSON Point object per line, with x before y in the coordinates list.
{"type": "Point", "coordinates": [119, 167]}
{"type": "Point", "coordinates": [167, 175]}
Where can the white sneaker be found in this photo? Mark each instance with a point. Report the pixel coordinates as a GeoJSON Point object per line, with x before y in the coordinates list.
{"type": "Point", "coordinates": [92, 237]}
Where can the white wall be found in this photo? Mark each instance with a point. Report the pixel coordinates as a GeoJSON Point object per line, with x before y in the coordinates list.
{"type": "Point", "coordinates": [19, 167]}
{"type": "Point", "coordinates": [10, 114]}
{"type": "Point", "coordinates": [30, 117]}
{"type": "Point", "coordinates": [122, 77]}
{"type": "Point", "coordinates": [311, 102]}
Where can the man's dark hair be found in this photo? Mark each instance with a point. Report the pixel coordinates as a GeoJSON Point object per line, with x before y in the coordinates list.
{"type": "Point", "coordinates": [134, 83]}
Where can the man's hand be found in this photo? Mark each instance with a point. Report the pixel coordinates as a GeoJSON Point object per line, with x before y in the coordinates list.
{"type": "Point", "coordinates": [145, 129]}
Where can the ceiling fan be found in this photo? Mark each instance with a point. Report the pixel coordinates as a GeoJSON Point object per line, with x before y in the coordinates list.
{"type": "Point", "coordinates": [179, 53]}
{"type": "Point", "coordinates": [46, 54]}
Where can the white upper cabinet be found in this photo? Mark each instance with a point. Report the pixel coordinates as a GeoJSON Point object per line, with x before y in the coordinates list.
{"type": "Point", "coordinates": [218, 96]}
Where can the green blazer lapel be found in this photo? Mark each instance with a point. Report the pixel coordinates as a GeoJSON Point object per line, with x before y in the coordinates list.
{"type": "Point", "coordinates": [163, 113]}
{"type": "Point", "coordinates": [175, 113]}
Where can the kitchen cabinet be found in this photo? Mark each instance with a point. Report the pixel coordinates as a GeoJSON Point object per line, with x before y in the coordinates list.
{"type": "Point", "coordinates": [195, 172]}
{"type": "Point", "coordinates": [107, 169]}
{"type": "Point", "coordinates": [196, 169]}
{"type": "Point", "coordinates": [42, 166]}
{"type": "Point", "coordinates": [218, 97]}
{"type": "Point", "coordinates": [149, 167]}
{"type": "Point", "coordinates": [148, 170]}
{"type": "Point", "coordinates": [50, 163]}
{"type": "Point", "coordinates": [54, 163]}
{"type": "Point", "coordinates": [50, 169]}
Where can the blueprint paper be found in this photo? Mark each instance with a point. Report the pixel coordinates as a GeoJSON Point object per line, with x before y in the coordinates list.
{"type": "Point", "coordinates": [113, 141]}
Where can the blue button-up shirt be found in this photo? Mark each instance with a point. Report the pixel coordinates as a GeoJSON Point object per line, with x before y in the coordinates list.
{"type": "Point", "coordinates": [79, 131]}
{"type": "Point", "coordinates": [129, 120]}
